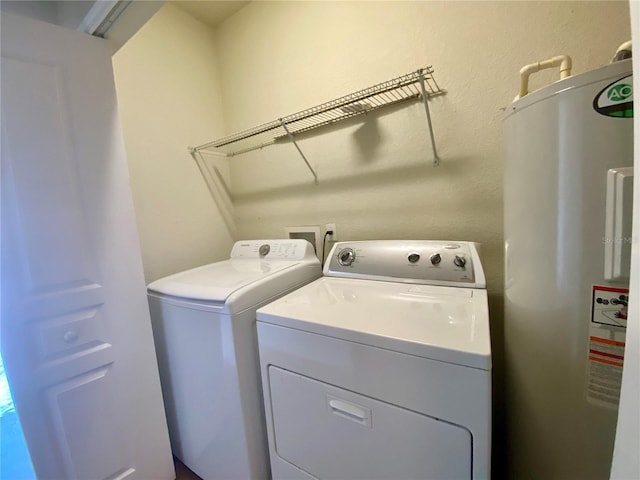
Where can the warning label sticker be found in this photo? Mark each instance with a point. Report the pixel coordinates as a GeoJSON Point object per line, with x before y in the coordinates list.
{"type": "Point", "coordinates": [607, 332]}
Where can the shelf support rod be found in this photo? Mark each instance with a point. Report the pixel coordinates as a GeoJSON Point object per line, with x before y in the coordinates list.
{"type": "Point", "coordinates": [425, 100]}
{"type": "Point", "coordinates": [292, 138]}
{"type": "Point", "coordinates": [222, 200]}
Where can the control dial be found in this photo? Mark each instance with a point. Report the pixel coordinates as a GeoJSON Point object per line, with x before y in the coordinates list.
{"type": "Point", "coordinates": [346, 257]}
{"type": "Point", "coordinates": [435, 259]}
{"type": "Point", "coordinates": [413, 257]}
{"type": "Point", "coordinates": [459, 261]}
{"type": "Point", "coordinates": [264, 249]}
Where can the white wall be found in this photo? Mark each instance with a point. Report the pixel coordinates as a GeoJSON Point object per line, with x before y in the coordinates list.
{"type": "Point", "coordinates": [167, 81]}
{"type": "Point", "coordinates": [72, 13]}
{"type": "Point", "coordinates": [38, 10]}
{"type": "Point", "coordinates": [626, 458]}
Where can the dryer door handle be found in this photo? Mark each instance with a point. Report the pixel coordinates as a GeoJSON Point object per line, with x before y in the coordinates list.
{"type": "Point", "coordinates": [350, 411]}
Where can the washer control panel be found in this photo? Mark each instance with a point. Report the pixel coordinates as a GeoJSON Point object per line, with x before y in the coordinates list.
{"type": "Point", "coordinates": [286, 249]}
{"type": "Point", "coordinates": [417, 261]}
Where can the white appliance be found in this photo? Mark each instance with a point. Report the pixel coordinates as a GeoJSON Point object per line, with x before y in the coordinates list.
{"type": "Point", "coordinates": [567, 211]}
{"type": "Point", "coordinates": [204, 329]}
{"type": "Point", "coordinates": [382, 368]}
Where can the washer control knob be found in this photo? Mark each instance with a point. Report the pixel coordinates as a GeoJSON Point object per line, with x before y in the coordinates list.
{"type": "Point", "coordinates": [435, 259]}
{"type": "Point", "coordinates": [413, 257]}
{"type": "Point", "coordinates": [346, 257]}
{"type": "Point", "coordinates": [264, 249]}
{"type": "Point", "coordinates": [459, 261]}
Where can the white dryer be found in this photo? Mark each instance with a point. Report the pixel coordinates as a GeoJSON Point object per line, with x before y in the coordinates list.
{"type": "Point", "coordinates": [381, 369]}
{"type": "Point", "coordinates": [204, 330]}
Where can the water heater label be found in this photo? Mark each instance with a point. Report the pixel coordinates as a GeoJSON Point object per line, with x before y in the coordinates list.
{"type": "Point", "coordinates": [616, 99]}
{"type": "Point", "coordinates": [607, 334]}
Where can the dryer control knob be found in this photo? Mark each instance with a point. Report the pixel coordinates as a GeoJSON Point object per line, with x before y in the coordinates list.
{"type": "Point", "coordinates": [413, 257]}
{"type": "Point", "coordinates": [264, 249]}
{"type": "Point", "coordinates": [459, 261]}
{"type": "Point", "coordinates": [346, 257]}
{"type": "Point", "coordinates": [435, 259]}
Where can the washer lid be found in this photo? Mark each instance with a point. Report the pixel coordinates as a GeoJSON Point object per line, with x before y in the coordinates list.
{"type": "Point", "coordinates": [217, 281]}
{"type": "Point", "coordinates": [448, 324]}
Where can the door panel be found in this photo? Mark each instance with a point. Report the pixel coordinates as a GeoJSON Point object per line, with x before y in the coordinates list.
{"type": "Point", "coordinates": [83, 404]}
{"type": "Point", "coordinates": [68, 334]}
{"type": "Point", "coordinates": [43, 166]}
{"type": "Point", "coordinates": [76, 334]}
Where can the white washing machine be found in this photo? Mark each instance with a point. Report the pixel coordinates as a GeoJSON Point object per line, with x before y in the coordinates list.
{"type": "Point", "coordinates": [381, 369]}
{"type": "Point", "coordinates": [205, 335]}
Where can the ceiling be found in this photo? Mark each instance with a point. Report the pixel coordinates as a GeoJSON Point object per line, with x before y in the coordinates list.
{"type": "Point", "coordinates": [212, 12]}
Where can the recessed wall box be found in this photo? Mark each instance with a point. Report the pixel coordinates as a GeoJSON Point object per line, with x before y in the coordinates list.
{"type": "Point", "coordinates": [310, 233]}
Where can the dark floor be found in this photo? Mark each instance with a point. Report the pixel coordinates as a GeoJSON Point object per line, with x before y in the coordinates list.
{"type": "Point", "coordinates": [182, 472]}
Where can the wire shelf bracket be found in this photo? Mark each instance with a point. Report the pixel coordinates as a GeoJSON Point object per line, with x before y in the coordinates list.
{"type": "Point", "coordinates": [425, 101]}
{"type": "Point", "coordinates": [419, 84]}
{"type": "Point", "coordinates": [293, 139]}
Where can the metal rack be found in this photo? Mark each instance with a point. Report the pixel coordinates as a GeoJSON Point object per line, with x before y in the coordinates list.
{"type": "Point", "coordinates": [414, 85]}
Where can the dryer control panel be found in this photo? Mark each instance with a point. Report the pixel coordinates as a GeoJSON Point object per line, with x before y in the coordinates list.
{"type": "Point", "coordinates": [427, 262]}
{"type": "Point", "coordinates": [285, 249]}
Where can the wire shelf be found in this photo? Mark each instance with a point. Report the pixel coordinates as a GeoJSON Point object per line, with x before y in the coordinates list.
{"type": "Point", "coordinates": [413, 85]}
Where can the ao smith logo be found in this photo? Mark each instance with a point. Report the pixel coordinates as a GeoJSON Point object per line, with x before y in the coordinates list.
{"type": "Point", "coordinates": [620, 92]}
{"type": "Point", "coordinates": [616, 99]}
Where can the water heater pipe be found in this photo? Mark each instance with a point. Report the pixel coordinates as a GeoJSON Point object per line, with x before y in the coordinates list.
{"type": "Point", "coordinates": [563, 61]}
{"type": "Point", "coordinates": [624, 46]}
{"type": "Point", "coordinates": [623, 51]}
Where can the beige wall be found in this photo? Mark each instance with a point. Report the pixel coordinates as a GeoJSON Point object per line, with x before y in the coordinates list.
{"type": "Point", "coordinates": [376, 180]}
{"type": "Point", "coordinates": [177, 80]}
{"type": "Point", "coordinates": [168, 87]}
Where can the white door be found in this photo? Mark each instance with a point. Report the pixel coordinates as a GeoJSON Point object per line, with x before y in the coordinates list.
{"type": "Point", "coordinates": [76, 333]}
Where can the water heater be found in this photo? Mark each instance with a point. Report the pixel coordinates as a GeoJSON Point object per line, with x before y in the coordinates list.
{"type": "Point", "coordinates": [567, 219]}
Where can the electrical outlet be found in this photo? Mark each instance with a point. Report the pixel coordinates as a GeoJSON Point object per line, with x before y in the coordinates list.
{"type": "Point", "coordinates": [331, 227]}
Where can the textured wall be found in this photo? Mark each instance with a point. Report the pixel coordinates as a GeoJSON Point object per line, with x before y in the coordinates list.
{"type": "Point", "coordinates": [168, 87]}
{"type": "Point", "coordinates": [376, 180]}
{"type": "Point", "coordinates": [375, 176]}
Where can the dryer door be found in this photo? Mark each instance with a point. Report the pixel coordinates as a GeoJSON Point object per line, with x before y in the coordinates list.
{"type": "Point", "coordinates": [329, 433]}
